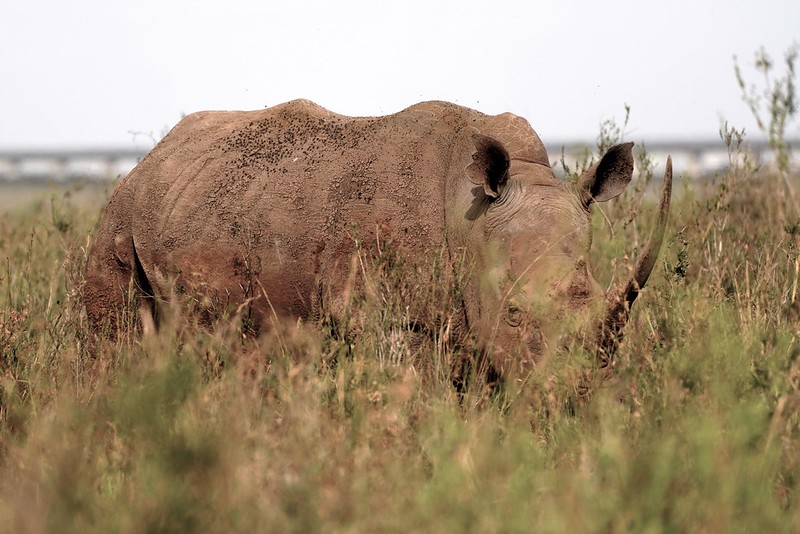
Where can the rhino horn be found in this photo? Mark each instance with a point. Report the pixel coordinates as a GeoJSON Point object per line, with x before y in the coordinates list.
{"type": "Point", "coordinates": [619, 300]}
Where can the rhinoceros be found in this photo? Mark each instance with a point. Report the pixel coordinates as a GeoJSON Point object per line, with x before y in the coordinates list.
{"type": "Point", "coordinates": [268, 207]}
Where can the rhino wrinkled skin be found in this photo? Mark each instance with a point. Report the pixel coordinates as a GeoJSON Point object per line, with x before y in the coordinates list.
{"type": "Point", "coordinates": [265, 207]}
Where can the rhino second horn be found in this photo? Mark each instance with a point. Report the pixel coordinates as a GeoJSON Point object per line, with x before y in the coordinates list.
{"type": "Point", "coordinates": [619, 301]}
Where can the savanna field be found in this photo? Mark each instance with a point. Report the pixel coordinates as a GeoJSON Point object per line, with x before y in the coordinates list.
{"type": "Point", "coordinates": [312, 428]}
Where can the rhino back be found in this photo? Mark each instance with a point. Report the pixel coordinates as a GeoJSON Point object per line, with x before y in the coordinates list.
{"type": "Point", "coordinates": [283, 193]}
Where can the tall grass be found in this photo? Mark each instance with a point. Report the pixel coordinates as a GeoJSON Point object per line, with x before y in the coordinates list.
{"type": "Point", "coordinates": [214, 430]}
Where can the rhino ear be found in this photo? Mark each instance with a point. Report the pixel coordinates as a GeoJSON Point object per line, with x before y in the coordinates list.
{"type": "Point", "coordinates": [489, 166]}
{"type": "Point", "coordinates": [608, 177]}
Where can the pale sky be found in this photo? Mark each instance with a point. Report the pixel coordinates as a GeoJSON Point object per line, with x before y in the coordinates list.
{"type": "Point", "coordinates": [82, 73]}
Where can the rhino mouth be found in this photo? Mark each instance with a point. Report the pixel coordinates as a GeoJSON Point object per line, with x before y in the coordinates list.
{"type": "Point", "coordinates": [619, 300]}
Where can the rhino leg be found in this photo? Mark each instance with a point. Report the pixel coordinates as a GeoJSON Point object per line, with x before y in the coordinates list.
{"type": "Point", "coordinates": [116, 291]}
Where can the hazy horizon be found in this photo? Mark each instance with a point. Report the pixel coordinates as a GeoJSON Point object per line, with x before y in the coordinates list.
{"type": "Point", "coordinates": [88, 74]}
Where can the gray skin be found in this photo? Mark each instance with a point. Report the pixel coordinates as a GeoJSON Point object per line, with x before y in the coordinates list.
{"type": "Point", "coordinates": [264, 208]}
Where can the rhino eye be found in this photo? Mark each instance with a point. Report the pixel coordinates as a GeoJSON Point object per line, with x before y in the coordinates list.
{"type": "Point", "coordinates": [513, 315]}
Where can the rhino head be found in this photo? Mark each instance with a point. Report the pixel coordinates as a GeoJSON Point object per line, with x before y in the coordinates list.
{"type": "Point", "coordinates": [533, 237]}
